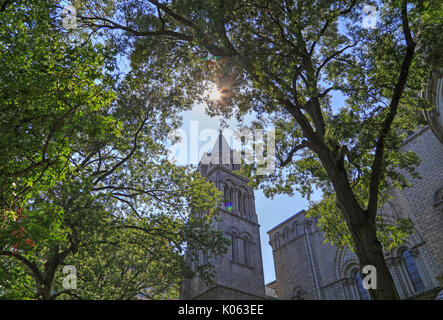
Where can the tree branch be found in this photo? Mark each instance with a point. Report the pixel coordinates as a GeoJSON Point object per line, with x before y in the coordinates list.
{"type": "Point", "coordinates": [332, 56]}
{"type": "Point", "coordinates": [114, 25]}
{"type": "Point", "coordinates": [173, 14]}
{"type": "Point", "coordinates": [283, 163]}
{"type": "Point", "coordinates": [325, 27]}
{"type": "Point", "coordinates": [32, 266]}
{"type": "Point", "coordinates": [377, 165]}
{"type": "Point", "coordinates": [128, 156]}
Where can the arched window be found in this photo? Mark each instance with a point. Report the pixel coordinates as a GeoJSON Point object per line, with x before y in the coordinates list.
{"type": "Point", "coordinates": [287, 235]}
{"type": "Point", "coordinates": [247, 252]}
{"type": "Point", "coordinates": [277, 240]}
{"type": "Point", "coordinates": [245, 205]}
{"type": "Point", "coordinates": [411, 267]}
{"type": "Point", "coordinates": [310, 226]}
{"type": "Point", "coordinates": [250, 207]}
{"type": "Point", "coordinates": [228, 198]}
{"type": "Point", "coordinates": [241, 249]}
{"type": "Point", "coordinates": [438, 197]}
{"type": "Point", "coordinates": [240, 203]}
{"type": "Point", "coordinates": [295, 229]}
{"type": "Point", "coordinates": [234, 247]}
{"type": "Point", "coordinates": [362, 292]}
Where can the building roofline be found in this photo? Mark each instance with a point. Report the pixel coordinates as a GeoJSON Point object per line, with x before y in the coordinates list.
{"type": "Point", "coordinates": [281, 223]}
{"type": "Point", "coordinates": [227, 170]}
{"type": "Point", "coordinates": [216, 286]}
{"type": "Point", "coordinates": [414, 135]}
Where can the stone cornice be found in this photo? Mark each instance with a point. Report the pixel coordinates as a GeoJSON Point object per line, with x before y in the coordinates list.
{"type": "Point", "coordinates": [239, 217]}
{"type": "Point", "coordinates": [229, 171]}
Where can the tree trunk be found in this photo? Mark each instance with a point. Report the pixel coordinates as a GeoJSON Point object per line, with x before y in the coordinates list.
{"type": "Point", "coordinates": [44, 291]}
{"type": "Point", "coordinates": [364, 234]}
{"type": "Point", "coordinates": [370, 252]}
{"type": "Point", "coordinates": [368, 249]}
{"type": "Point", "coordinates": [45, 286]}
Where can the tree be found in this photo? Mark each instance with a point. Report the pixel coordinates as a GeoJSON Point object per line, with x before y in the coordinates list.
{"type": "Point", "coordinates": [95, 190]}
{"type": "Point", "coordinates": [43, 101]}
{"type": "Point", "coordinates": [283, 59]}
{"type": "Point", "coordinates": [117, 254]}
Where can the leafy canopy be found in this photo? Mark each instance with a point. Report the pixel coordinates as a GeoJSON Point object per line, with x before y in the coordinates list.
{"type": "Point", "coordinates": [282, 60]}
{"type": "Point", "coordinates": [84, 180]}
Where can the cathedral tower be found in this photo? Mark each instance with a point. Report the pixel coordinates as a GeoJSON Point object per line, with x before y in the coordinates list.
{"type": "Point", "coordinates": [238, 273]}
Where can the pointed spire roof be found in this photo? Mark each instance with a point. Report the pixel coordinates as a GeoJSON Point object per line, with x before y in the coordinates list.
{"type": "Point", "coordinates": [221, 152]}
{"type": "Point", "coordinates": [221, 145]}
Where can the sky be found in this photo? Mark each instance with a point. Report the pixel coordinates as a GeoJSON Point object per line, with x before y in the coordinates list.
{"type": "Point", "coordinates": [270, 212]}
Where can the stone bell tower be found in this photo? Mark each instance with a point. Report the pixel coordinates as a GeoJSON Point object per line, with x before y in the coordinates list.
{"type": "Point", "coordinates": [238, 273]}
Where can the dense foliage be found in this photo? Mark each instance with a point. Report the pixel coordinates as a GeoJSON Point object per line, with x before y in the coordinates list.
{"type": "Point", "coordinates": [83, 172]}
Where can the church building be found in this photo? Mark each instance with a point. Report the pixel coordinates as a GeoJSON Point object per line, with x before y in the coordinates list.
{"type": "Point", "coordinates": [238, 273]}
{"type": "Point", "coordinates": [305, 266]}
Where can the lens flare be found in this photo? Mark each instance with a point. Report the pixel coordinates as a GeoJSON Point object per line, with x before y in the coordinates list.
{"type": "Point", "coordinates": [213, 93]}
{"type": "Point", "coordinates": [228, 206]}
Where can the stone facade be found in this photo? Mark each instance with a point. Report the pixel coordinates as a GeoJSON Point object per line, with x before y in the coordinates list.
{"type": "Point", "coordinates": [270, 290]}
{"type": "Point", "coordinates": [238, 273]}
{"type": "Point", "coordinates": [308, 268]}
{"type": "Point", "coordinates": [434, 94]}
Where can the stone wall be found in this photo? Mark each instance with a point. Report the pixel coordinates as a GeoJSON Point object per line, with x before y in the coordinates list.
{"type": "Point", "coordinates": [225, 293]}
{"type": "Point", "coordinates": [307, 268]}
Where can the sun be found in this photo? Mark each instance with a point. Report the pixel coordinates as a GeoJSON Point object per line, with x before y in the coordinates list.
{"type": "Point", "coordinates": [213, 93]}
